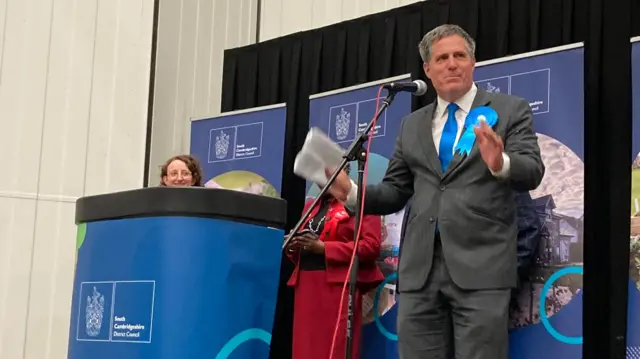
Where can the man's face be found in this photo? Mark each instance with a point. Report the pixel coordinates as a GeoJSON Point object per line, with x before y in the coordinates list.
{"type": "Point", "coordinates": [450, 67]}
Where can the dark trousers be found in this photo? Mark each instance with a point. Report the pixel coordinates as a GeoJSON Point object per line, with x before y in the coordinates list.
{"type": "Point", "coordinates": [444, 321]}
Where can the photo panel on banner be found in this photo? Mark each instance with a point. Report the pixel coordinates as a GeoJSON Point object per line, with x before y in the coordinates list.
{"type": "Point", "coordinates": [546, 314]}
{"type": "Point", "coordinates": [242, 150]}
{"type": "Point", "coordinates": [343, 114]}
{"type": "Point", "coordinates": [633, 322]}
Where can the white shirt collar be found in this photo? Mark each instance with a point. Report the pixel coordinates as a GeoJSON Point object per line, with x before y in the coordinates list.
{"type": "Point", "coordinates": [465, 102]}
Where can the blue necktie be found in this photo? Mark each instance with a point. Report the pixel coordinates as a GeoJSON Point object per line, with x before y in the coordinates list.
{"type": "Point", "coordinates": [449, 134]}
{"type": "Point", "coordinates": [448, 137]}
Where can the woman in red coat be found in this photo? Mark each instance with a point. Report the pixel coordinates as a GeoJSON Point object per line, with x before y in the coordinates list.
{"type": "Point", "coordinates": [322, 261]}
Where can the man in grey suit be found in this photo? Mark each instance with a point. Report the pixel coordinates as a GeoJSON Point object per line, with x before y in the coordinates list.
{"type": "Point", "coordinates": [458, 262]}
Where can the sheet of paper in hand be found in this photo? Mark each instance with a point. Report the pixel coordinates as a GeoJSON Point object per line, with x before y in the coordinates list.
{"type": "Point", "coordinates": [318, 153]}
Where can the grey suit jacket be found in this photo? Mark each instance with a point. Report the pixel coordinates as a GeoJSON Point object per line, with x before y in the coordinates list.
{"type": "Point", "coordinates": [475, 211]}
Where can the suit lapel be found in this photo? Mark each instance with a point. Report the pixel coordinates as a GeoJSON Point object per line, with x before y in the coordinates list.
{"type": "Point", "coordinates": [482, 98]}
{"type": "Point", "coordinates": [425, 137]}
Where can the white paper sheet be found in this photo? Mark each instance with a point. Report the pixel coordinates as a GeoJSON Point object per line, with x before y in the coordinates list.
{"type": "Point", "coordinates": [318, 153]}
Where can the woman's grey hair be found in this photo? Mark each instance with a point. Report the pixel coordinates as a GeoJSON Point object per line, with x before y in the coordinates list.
{"type": "Point", "coordinates": [443, 31]}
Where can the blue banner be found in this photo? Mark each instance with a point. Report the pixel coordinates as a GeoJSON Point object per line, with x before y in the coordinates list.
{"type": "Point", "coordinates": [174, 287]}
{"type": "Point", "coordinates": [343, 115]}
{"type": "Point", "coordinates": [633, 322]}
{"type": "Point", "coordinates": [546, 317]}
{"type": "Point", "coordinates": [242, 150]}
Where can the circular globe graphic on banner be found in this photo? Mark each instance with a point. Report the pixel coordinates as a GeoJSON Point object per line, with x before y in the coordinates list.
{"type": "Point", "coordinates": [559, 202]}
{"type": "Point", "coordinates": [243, 181]}
{"type": "Point", "coordinates": [391, 228]}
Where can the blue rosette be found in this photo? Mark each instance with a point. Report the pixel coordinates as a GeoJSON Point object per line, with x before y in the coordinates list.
{"type": "Point", "coordinates": [475, 116]}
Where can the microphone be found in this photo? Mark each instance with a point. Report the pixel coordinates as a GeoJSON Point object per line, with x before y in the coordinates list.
{"type": "Point", "coordinates": [417, 87]}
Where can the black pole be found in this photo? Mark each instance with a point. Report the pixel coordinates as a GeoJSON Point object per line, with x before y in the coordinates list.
{"type": "Point", "coordinates": [357, 152]}
{"type": "Point", "coordinates": [353, 274]}
{"type": "Point", "coordinates": [152, 88]}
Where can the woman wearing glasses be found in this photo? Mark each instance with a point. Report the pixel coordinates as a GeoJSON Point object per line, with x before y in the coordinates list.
{"type": "Point", "coordinates": [181, 171]}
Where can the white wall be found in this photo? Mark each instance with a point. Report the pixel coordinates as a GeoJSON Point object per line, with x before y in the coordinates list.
{"type": "Point", "coordinates": [283, 17]}
{"type": "Point", "coordinates": [74, 78]}
{"type": "Point", "coordinates": [192, 36]}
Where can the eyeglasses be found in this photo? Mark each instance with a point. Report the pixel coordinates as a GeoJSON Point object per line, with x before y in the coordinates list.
{"type": "Point", "coordinates": [176, 174]}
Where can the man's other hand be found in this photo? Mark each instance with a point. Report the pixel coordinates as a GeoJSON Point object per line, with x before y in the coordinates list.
{"type": "Point", "coordinates": [490, 145]}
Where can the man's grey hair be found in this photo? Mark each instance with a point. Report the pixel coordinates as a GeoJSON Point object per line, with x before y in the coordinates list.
{"type": "Point", "coordinates": [443, 31]}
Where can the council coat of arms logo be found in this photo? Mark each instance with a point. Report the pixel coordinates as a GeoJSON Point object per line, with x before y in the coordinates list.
{"type": "Point", "coordinates": [222, 145]}
{"type": "Point", "coordinates": [94, 313]}
{"type": "Point", "coordinates": [343, 119]}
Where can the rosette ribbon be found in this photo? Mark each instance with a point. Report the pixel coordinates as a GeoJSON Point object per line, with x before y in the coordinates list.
{"type": "Point", "coordinates": [475, 116]}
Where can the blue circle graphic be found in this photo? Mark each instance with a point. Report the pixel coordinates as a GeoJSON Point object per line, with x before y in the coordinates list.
{"type": "Point", "coordinates": [376, 301]}
{"type": "Point", "coordinates": [543, 313]}
{"type": "Point", "coordinates": [242, 337]}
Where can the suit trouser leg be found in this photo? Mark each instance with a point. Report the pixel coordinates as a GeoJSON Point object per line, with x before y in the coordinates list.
{"type": "Point", "coordinates": [442, 319]}
{"type": "Point", "coordinates": [480, 322]}
{"type": "Point", "coordinates": [424, 320]}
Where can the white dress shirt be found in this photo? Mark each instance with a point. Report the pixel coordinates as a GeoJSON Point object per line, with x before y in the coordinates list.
{"type": "Point", "coordinates": [437, 127]}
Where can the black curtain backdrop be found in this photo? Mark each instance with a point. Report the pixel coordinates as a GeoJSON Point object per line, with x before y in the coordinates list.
{"type": "Point", "coordinates": [608, 127]}
{"type": "Point", "coordinates": [291, 68]}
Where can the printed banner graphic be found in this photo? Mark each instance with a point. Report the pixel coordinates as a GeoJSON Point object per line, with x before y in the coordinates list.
{"type": "Point", "coordinates": [153, 287]}
{"type": "Point", "coordinates": [633, 322]}
{"type": "Point", "coordinates": [343, 115]}
{"type": "Point", "coordinates": [546, 316]}
{"type": "Point", "coordinates": [242, 150]}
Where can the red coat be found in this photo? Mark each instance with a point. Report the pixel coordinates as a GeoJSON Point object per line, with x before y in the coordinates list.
{"type": "Point", "coordinates": [338, 236]}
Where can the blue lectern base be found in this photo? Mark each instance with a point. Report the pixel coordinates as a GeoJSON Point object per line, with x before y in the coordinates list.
{"type": "Point", "coordinates": [174, 287]}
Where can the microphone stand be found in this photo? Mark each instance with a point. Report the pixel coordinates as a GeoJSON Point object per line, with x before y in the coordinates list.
{"type": "Point", "coordinates": [356, 152]}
